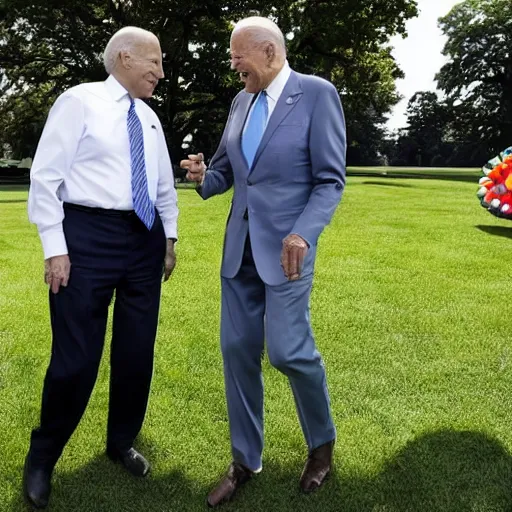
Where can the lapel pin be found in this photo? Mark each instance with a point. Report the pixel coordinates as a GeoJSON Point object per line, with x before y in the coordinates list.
{"type": "Point", "coordinates": [289, 100]}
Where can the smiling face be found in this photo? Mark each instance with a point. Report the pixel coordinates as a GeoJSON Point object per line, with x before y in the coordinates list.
{"type": "Point", "coordinates": [142, 68]}
{"type": "Point", "coordinates": [255, 62]}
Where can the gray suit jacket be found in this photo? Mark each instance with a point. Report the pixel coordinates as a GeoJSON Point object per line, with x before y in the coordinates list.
{"type": "Point", "coordinates": [296, 180]}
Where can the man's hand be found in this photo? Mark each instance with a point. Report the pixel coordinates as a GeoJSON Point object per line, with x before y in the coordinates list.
{"type": "Point", "coordinates": [56, 272]}
{"type": "Point", "coordinates": [170, 260]}
{"type": "Point", "coordinates": [294, 251]}
{"type": "Point", "coordinates": [195, 167]}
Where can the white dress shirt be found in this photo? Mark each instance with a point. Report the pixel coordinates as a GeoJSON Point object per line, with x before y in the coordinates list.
{"type": "Point", "coordinates": [274, 91]}
{"type": "Point", "coordinates": [83, 157]}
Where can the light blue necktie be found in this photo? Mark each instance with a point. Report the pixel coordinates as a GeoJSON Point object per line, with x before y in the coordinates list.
{"type": "Point", "coordinates": [255, 128]}
{"type": "Point", "coordinates": [142, 204]}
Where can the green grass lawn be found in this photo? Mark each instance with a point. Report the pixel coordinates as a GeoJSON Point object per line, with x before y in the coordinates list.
{"type": "Point", "coordinates": [411, 313]}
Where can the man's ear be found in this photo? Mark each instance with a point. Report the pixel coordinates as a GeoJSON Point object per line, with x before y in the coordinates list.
{"type": "Point", "coordinates": [126, 59]}
{"type": "Point", "coordinates": [270, 51]}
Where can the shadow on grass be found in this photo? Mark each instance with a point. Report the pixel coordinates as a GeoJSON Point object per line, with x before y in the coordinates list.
{"type": "Point", "coordinates": [101, 486]}
{"type": "Point", "coordinates": [11, 187]}
{"type": "Point", "coordinates": [387, 184]}
{"type": "Point", "coordinates": [12, 201]}
{"type": "Point", "coordinates": [445, 471]}
{"type": "Point", "coordinates": [496, 230]}
{"type": "Point", "coordinates": [423, 175]}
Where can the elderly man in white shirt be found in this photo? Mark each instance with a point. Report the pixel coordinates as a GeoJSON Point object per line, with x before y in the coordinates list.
{"type": "Point", "coordinates": [102, 196]}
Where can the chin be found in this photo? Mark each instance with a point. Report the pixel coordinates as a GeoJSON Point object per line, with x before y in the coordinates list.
{"type": "Point", "coordinates": [251, 89]}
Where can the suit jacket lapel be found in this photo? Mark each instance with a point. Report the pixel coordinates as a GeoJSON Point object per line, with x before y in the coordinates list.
{"type": "Point", "coordinates": [290, 96]}
{"type": "Point", "coordinates": [239, 122]}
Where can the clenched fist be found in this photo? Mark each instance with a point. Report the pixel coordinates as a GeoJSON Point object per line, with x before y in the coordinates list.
{"type": "Point", "coordinates": [294, 251]}
{"type": "Point", "coordinates": [195, 167]}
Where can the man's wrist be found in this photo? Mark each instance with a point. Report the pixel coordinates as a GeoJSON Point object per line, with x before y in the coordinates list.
{"type": "Point", "coordinates": [200, 183]}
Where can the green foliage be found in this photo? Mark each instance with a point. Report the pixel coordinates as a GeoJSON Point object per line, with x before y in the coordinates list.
{"type": "Point", "coordinates": [473, 122]}
{"type": "Point", "coordinates": [52, 45]}
{"type": "Point", "coordinates": [425, 142]}
{"type": "Point", "coordinates": [478, 77]}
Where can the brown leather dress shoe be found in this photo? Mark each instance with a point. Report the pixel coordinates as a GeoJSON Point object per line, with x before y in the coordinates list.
{"type": "Point", "coordinates": [317, 468]}
{"type": "Point", "coordinates": [236, 476]}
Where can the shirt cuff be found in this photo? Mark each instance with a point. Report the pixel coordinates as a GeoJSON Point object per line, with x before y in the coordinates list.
{"type": "Point", "coordinates": [54, 242]}
{"type": "Point", "coordinates": [170, 230]}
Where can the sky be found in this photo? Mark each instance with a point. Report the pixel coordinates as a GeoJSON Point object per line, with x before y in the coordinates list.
{"type": "Point", "coordinates": [419, 55]}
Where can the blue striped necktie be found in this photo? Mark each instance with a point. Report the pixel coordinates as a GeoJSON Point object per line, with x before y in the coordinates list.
{"type": "Point", "coordinates": [142, 204]}
{"type": "Point", "coordinates": [255, 128]}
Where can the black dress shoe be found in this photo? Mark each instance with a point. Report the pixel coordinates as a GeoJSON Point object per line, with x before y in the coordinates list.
{"type": "Point", "coordinates": [132, 460]}
{"type": "Point", "coordinates": [36, 484]}
{"type": "Point", "coordinates": [236, 476]}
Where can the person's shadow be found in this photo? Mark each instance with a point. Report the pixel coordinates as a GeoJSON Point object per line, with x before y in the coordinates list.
{"type": "Point", "coordinates": [502, 231]}
{"type": "Point", "coordinates": [445, 471]}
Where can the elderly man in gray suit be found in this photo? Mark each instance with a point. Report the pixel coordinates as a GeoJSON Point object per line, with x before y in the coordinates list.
{"type": "Point", "coordinates": [283, 150]}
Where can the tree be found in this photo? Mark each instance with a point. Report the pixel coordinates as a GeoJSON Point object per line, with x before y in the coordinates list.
{"type": "Point", "coordinates": [427, 120]}
{"type": "Point", "coordinates": [52, 45]}
{"type": "Point", "coordinates": [345, 41]}
{"type": "Point", "coordinates": [478, 78]}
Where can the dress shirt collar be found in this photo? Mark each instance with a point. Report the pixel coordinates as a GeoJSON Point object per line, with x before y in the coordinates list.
{"type": "Point", "coordinates": [277, 85]}
{"type": "Point", "coordinates": [115, 89]}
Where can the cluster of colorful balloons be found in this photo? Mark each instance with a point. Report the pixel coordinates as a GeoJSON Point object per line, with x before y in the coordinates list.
{"type": "Point", "coordinates": [495, 191]}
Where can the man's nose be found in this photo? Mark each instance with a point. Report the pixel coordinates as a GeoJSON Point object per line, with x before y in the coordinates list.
{"type": "Point", "coordinates": [160, 72]}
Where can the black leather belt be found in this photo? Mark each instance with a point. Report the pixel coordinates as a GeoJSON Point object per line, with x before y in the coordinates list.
{"type": "Point", "coordinates": [100, 211]}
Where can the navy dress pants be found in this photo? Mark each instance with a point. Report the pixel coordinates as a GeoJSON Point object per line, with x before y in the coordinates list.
{"type": "Point", "coordinates": [109, 252]}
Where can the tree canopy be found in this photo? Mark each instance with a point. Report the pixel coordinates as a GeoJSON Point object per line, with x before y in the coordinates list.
{"type": "Point", "coordinates": [478, 77]}
{"type": "Point", "coordinates": [472, 122]}
{"type": "Point", "coordinates": [47, 46]}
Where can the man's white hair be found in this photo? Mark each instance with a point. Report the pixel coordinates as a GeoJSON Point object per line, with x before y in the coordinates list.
{"type": "Point", "coordinates": [262, 30]}
{"type": "Point", "coordinates": [124, 40]}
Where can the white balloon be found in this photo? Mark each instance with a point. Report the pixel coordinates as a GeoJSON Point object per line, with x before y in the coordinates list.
{"type": "Point", "coordinates": [481, 192]}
